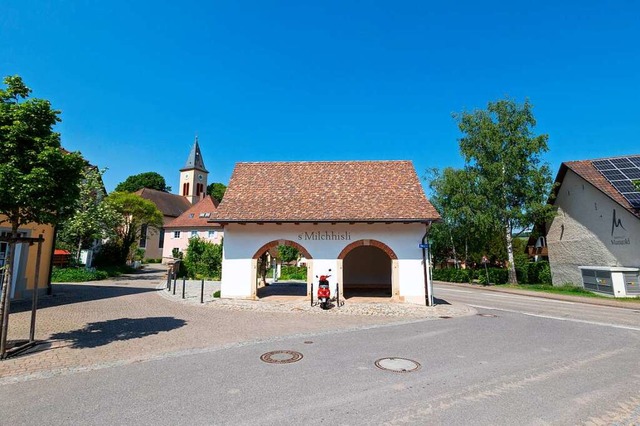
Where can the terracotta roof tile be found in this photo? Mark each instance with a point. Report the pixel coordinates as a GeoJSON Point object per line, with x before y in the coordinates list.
{"type": "Point", "coordinates": [325, 191]}
{"type": "Point", "coordinates": [588, 172]}
{"type": "Point", "coordinates": [171, 205]}
{"type": "Point", "coordinates": [197, 216]}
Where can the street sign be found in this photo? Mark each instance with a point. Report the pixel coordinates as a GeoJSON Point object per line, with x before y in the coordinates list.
{"type": "Point", "coordinates": [423, 245]}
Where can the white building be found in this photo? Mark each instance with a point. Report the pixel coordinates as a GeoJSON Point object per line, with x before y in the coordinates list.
{"type": "Point", "coordinates": [594, 240]}
{"type": "Point", "coordinates": [361, 220]}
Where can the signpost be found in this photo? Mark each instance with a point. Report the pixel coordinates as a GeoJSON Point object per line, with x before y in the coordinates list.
{"type": "Point", "coordinates": [484, 262]}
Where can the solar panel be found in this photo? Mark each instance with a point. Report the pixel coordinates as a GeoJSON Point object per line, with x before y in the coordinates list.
{"type": "Point", "coordinates": [621, 172]}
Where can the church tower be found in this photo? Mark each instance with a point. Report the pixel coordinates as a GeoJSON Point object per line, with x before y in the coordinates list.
{"type": "Point", "coordinates": [193, 176]}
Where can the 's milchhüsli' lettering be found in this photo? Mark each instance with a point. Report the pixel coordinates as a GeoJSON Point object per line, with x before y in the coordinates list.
{"type": "Point", "coordinates": [325, 236]}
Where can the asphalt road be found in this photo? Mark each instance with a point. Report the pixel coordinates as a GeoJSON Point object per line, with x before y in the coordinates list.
{"type": "Point", "coordinates": [550, 365]}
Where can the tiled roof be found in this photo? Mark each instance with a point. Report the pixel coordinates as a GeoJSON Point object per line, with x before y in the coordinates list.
{"type": "Point", "coordinates": [588, 172]}
{"type": "Point", "coordinates": [325, 191]}
{"type": "Point", "coordinates": [171, 205]}
{"type": "Point", "coordinates": [197, 216]}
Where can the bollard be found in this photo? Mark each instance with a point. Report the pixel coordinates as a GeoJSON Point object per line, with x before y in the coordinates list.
{"type": "Point", "coordinates": [338, 295]}
{"type": "Point", "coordinates": [311, 294]}
{"type": "Point", "coordinates": [169, 276]}
{"type": "Point", "coordinates": [174, 283]}
{"type": "Point", "coordinates": [202, 292]}
{"type": "Point", "coordinates": [183, 285]}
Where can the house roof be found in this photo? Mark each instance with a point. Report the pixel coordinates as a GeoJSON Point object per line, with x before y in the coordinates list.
{"type": "Point", "coordinates": [587, 171]}
{"type": "Point", "coordinates": [325, 191]}
{"type": "Point", "coordinates": [197, 216]}
{"type": "Point", "coordinates": [171, 205]}
{"type": "Point", "coordinates": [194, 161]}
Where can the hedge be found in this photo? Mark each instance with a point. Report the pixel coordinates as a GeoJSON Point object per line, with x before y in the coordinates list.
{"type": "Point", "coordinates": [528, 273]}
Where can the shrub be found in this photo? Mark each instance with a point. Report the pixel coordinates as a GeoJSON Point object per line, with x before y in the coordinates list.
{"type": "Point", "coordinates": [74, 275]}
{"type": "Point", "coordinates": [216, 294]}
{"type": "Point", "coordinates": [453, 275]}
{"type": "Point", "coordinates": [203, 259]}
{"type": "Point", "coordinates": [539, 273]}
{"type": "Point", "coordinates": [293, 273]}
{"type": "Point", "coordinates": [110, 253]}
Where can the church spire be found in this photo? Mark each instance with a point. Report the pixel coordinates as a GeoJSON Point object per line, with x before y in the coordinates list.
{"type": "Point", "coordinates": [195, 161]}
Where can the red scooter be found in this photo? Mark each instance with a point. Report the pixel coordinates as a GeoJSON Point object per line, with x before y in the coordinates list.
{"type": "Point", "coordinates": [324, 293]}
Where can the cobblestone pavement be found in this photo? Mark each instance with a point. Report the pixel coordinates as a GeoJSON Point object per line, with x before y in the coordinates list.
{"type": "Point", "coordinates": [134, 318]}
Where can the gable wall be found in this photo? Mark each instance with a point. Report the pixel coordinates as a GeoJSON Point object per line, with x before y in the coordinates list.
{"type": "Point", "coordinates": [582, 233]}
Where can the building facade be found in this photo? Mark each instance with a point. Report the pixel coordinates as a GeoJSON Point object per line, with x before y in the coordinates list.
{"type": "Point", "coordinates": [595, 228]}
{"type": "Point", "coordinates": [193, 223]}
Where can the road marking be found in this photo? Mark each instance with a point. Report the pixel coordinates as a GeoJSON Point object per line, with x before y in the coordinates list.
{"type": "Point", "coordinates": [604, 324]}
{"type": "Point", "coordinates": [513, 296]}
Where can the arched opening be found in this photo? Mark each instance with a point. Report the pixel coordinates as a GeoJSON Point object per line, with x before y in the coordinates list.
{"type": "Point", "coordinates": [275, 277]}
{"type": "Point", "coordinates": [367, 270]}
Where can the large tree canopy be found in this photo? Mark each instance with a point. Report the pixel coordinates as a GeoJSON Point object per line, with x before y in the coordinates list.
{"type": "Point", "coordinates": [216, 190]}
{"type": "Point", "coordinates": [134, 211]}
{"type": "Point", "coordinates": [38, 179]}
{"type": "Point", "coordinates": [93, 218]}
{"type": "Point", "coordinates": [504, 156]}
{"type": "Point", "coordinates": [150, 180]}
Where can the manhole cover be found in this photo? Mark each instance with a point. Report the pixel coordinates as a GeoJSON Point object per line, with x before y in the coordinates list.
{"type": "Point", "coordinates": [488, 315]}
{"type": "Point", "coordinates": [398, 365]}
{"type": "Point", "coordinates": [444, 317]}
{"type": "Point", "coordinates": [281, 357]}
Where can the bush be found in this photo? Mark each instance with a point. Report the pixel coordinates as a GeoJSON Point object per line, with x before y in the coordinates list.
{"type": "Point", "coordinates": [496, 276]}
{"type": "Point", "coordinates": [216, 294]}
{"type": "Point", "coordinates": [453, 275]}
{"type": "Point", "coordinates": [203, 259]}
{"type": "Point", "coordinates": [539, 273]}
{"type": "Point", "coordinates": [76, 275]}
{"type": "Point", "coordinates": [293, 273]}
{"type": "Point", "coordinates": [110, 253]}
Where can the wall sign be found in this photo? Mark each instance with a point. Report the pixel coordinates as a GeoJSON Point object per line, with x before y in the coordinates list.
{"type": "Point", "coordinates": [324, 236]}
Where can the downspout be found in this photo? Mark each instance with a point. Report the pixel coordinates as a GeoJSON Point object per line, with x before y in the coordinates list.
{"type": "Point", "coordinates": [428, 287]}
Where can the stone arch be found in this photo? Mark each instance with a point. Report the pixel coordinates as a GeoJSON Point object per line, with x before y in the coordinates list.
{"type": "Point", "coordinates": [375, 243]}
{"type": "Point", "coordinates": [276, 243]}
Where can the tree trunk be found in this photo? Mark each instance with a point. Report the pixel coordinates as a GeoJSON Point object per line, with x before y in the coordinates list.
{"type": "Point", "coordinates": [5, 295]}
{"type": "Point", "coordinates": [513, 279]}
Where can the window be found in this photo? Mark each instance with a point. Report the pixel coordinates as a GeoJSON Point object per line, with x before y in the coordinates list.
{"type": "Point", "coordinates": [194, 234]}
{"type": "Point", "coordinates": [191, 215]}
{"type": "Point", "coordinates": [212, 234]}
{"type": "Point", "coordinates": [143, 236]}
{"type": "Point", "coordinates": [161, 238]}
{"type": "Point", "coordinates": [176, 234]}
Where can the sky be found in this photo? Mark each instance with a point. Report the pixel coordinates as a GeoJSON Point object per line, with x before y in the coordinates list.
{"type": "Point", "coordinates": [136, 81]}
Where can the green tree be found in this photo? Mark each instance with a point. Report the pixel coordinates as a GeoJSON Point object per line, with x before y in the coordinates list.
{"type": "Point", "coordinates": [134, 211]}
{"type": "Point", "coordinates": [287, 253]}
{"type": "Point", "coordinates": [500, 148]}
{"type": "Point", "coordinates": [38, 179]}
{"type": "Point", "coordinates": [465, 229]}
{"type": "Point", "coordinates": [150, 180]}
{"type": "Point", "coordinates": [216, 190]}
{"type": "Point", "coordinates": [93, 218]}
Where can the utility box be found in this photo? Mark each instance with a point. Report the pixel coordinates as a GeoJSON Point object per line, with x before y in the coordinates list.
{"type": "Point", "coordinates": [616, 281]}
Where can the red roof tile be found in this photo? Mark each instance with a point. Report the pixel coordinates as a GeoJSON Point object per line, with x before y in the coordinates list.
{"type": "Point", "coordinates": [325, 191]}
{"type": "Point", "coordinates": [197, 216]}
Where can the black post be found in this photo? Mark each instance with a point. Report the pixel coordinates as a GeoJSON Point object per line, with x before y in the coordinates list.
{"type": "Point", "coordinates": [487, 272]}
{"type": "Point", "coordinates": [184, 280]}
{"type": "Point", "coordinates": [174, 283]}
{"type": "Point", "coordinates": [169, 276]}
{"type": "Point", "coordinates": [338, 294]}
{"type": "Point", "coordinates": [202, 292]}
{"type": "Point", "coordinates": [311, 294]}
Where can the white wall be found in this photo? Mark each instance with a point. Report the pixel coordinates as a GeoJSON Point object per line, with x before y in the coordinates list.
{"type": "Point", "coordinates": [583, 232]}
{"type": "Point", "coordinates": [242, 242]}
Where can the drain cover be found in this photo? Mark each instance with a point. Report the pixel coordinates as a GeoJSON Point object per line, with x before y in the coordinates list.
{"type": "Point", "coordinates": [488, 315]}
{"type": "Point", "coordinates": [281, 357]}
{"type": "Point", "coordinates": [398, 365]}
{"type": "Point", "coordinates": [444, 317]}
